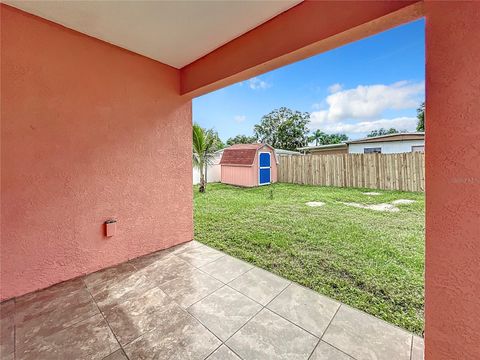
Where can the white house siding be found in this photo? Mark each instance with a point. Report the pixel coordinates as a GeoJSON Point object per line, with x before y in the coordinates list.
{"type": "Point", "coordinates": [388, 147]}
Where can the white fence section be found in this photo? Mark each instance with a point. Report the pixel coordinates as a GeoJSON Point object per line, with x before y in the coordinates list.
{"type": "Point", "coordinates": [214, 171]}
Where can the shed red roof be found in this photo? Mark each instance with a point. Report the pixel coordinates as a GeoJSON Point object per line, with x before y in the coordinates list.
{"type": "Point", "coordinates": [245, 146]}
{"type": "Point", "coordinates": [240, 154]}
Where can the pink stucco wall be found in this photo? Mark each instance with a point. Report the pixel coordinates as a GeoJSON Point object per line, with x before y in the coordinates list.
{"type": "Point", "coordinates": [452, 286]}
{"type": "Point", "coordinates": [89, 132]}
{"type": "Point", "coordinates": [248, 175]}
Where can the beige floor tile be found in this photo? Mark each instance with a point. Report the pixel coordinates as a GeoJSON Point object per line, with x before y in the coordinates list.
{"type": "Point", "coordinates": [226, 268]}
{"type": "Point", "coordinates": [259, 285]}
{"type": "Point", "coordinates": [182, 337]}
{"type": "Point", "coordinates": [90, 339]}
{"type": "Point", "coordinates": [364, 337]}
{"type": "Point", "coordinates": [138, 315]}
{"type": "Point", "coordinates": [190, 288]}
{"type": "Point", "coordinates": [305, 308]}
{"type": "Point", "coordinates": [223, 353]}
{"type": "Point", "coordinates": [224, 312]}
{"type": "Point", "coordinates": [325, 351]}
{"type": "Point", "coordinates": [269, 336]}
{"type": "Point", "coordinates": [200, 255]}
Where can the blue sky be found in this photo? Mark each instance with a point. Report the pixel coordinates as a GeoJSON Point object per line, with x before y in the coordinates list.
{"type": "Point", "coordinates": [372, 83]}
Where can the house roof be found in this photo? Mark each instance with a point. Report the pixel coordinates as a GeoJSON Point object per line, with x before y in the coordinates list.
{"type": "Point", "coordinates": [241, 154]}
{"type": "Point", "coordinates": [319, 147]}
{"type": "Point", "coordinates": [383, 138]}
{"type": "Point", "coordinates": [390, 137]}
{"type": "Point", "coordinates": [287, 152]}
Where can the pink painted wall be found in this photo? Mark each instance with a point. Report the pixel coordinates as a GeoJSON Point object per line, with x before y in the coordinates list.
{"type": "Point", "coordinates": [452, 309]}
{"type": "Point", "coordinates": [89, 131]}
{"type": "Point", "coordinates": [239, 175]}
{"type": "Point", "coordinates": [248, 175]}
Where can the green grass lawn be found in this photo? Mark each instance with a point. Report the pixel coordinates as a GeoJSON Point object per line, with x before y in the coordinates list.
{"type": "Point", "coordinates": [373, 261]}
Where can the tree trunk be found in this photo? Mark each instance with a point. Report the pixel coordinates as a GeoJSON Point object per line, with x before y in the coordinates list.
{"type": "Point", "coordinates": [206, 176]}
{"type": "Point", "coordinates": [202, 179]}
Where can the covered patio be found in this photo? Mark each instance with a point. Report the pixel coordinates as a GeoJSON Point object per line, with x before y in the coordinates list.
{"type": "Point", "coordinates": [96, 124]}
{"type": "Point", "coordinates": [193, 302]}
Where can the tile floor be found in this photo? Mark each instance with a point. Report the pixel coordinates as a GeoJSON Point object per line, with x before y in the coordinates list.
{"type": "Point", "coordinates": [193, 302]}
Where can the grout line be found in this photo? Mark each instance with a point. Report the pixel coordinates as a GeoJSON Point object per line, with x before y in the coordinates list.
{"type": "Point", "coordinates": [208, 330]}
{"type": "Point", "coordinates": [314, 348]}
{"type": "Point", "coordinates": [210, 293]}
{"type": "Point", "coordinates": [411, 348]}
{"type": "Point", "coordinates": [291, 322]}
{"type": "Point", "coordinates": [14, 329]}
{"type": "Point", "coordinates": [121, 350]}
{"type": "Point", "coordinates": [210, 354]}
{"type": "Point", "coordinates": [330, 322]}
{"type": "Point", "coordinates": [229, 348]}
{"type": "Point", "coordinates": [241, 327]}
{"type": "Point", "coordinates": [321, 338]}
{"type": "Point", "coordinates": [235, 278]}
{"type": "Point", "coordinates": [106, 321]}
{"type": "Point", "coordinates": [248, 297]}
{"type": "Point", "coordinates": [336, 348]}
{"type": "Point", "coordinates": [280, 293]}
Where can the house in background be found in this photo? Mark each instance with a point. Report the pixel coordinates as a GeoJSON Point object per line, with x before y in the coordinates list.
{"type": "Point", "coordinates": [249, 165]}
{"type": "Point", "coordinates": [281, 152]}
{"type": "Point", "coordinates": [388, 144]}
{"type": "Point", "coordinates": [331, 149]}
{"type": "Point", "coordinates": [384, 144]}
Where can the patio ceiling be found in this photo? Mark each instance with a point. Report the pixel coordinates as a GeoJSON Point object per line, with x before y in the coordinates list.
{"type": "Point", "coordinates": [175, 33]}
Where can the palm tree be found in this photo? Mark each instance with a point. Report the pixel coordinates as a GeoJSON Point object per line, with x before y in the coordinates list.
{"type": "Point", "coordinates": [203, 149]}
{"type": "Point", "coordinates": [317, 136]}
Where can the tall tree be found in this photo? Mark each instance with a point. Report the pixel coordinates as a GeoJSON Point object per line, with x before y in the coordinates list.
{"type": "Point", "coordinates": [241, 139]}
{"type": "Point", "coordinates": [217, 142]}
{"type": "Point", "coordinates": [421, 117]}
{"type": "Point", "coordinates": [383, 131]}
{"type": "Point", "coordinates": [283, 129]}
{"type": "Point", "coordinates": [204, 142]}
{"type": "Point", "coordinates": [322, 138]}
{"type": "Point", "coordinates": [338, 138]}
{"type": "Point", "coordinates": [317, 136]}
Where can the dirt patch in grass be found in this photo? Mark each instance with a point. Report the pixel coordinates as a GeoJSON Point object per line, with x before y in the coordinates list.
{"type": "Point", "coordinates": [402, 202]}
{"type": "Point", "coordinates": [314, 203]}
{"type": "Point", "coordinates": [375, 207]}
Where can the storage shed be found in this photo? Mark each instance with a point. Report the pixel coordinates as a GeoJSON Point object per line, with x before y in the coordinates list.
{"type": "Point", "coordinates": [249, 165]}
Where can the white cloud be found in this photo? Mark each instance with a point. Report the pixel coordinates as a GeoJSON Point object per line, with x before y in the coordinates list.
{"type": "Point", "coordinates": [335, 88]}
{"type": "Point", "coordinates": [368, 101]}
{"type": "Point", "coordinates": [400, 123]}
{"type": "Point", "coordinates": [239, 118]}
{"type": "Point", "coordinates": [256, 83]}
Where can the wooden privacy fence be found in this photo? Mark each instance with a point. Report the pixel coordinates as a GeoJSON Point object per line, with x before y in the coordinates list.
{"type": "Point", "coordinates": [405, 172]}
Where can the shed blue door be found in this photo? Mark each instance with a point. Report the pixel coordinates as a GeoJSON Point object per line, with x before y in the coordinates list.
{"type": "Point", "coordinates": [264, 168]}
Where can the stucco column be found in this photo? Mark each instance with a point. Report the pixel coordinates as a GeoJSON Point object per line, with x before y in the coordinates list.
{"type": "Point", "coordinates": [452, 180]}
